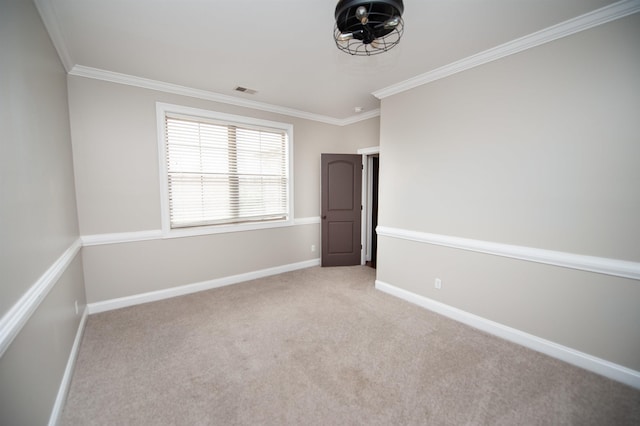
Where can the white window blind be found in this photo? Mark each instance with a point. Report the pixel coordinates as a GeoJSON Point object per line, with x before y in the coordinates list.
{"type": "Point", "coordinates": [225, 173]}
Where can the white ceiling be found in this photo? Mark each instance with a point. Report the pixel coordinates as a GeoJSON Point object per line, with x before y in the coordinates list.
{"type": "Point", "coordinates": [284, 49]}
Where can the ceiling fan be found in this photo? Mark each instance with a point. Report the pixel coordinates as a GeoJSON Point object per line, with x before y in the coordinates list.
{"type": "Point", "coordinates": [365, 28]}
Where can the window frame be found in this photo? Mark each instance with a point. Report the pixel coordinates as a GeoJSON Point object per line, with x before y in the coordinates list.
{"type": "Point", "coordinates": [162, 109]}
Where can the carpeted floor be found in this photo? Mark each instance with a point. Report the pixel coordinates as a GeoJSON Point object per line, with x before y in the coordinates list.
{"type": "Point", "coordinates": [321, 346]}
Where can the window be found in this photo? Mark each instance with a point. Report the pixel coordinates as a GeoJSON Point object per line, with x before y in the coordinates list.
{"type": "Point", "coordinates": [221, 170]}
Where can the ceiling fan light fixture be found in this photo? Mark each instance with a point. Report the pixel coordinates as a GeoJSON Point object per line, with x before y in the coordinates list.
{"type": "Point", "coordinates": [361, 15]}
{"type": "Point", "coordinates": [392, 22]}
{"type": "Point", "coordinates": [344, 37]}
{"type": "Point", "coordinates": [366, 28]}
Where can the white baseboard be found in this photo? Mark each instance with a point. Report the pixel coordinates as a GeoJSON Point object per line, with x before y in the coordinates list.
{"type": "Point", "coordinates": [588, 362]}
{"type": "Point", "coordinates": [58, 406]}
{"type": "Point", "coordinates": [153, 296]}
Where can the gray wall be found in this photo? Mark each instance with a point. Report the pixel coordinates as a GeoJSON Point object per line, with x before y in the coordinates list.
{"type": "Point", "coordinates": [115, 149]}
{"type": "Point", "coordinates": [540, 149]}
{"type": "Point", "coordinates": [38, 213]}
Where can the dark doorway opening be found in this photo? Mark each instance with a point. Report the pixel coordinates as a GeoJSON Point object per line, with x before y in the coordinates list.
{"type": "Point", "coordinates": [375, 164]}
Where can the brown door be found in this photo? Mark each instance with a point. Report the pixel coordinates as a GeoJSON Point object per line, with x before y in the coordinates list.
{"type": "Point", "coordinates": [341, 209]}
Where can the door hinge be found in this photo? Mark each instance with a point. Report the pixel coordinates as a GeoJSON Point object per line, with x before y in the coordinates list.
{"type": "Point", "coordinates": [360, 207]}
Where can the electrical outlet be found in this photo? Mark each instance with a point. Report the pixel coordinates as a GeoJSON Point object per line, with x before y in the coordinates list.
{"type": "Point", "coordinates": [313, 247]}
{"type": "Point", "coordinates": [77, 307]}
{"type": "Point", "coordinates": [438, 284]}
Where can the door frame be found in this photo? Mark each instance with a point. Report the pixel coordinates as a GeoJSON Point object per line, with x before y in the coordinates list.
{"type": "Point", "coordinates": [367, 210]}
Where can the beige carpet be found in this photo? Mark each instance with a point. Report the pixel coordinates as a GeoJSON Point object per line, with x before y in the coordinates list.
{"type": "Point", "coordinates": [321, 346]}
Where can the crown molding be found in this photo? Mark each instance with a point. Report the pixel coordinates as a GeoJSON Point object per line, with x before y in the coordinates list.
{"type": "Point", "coordinates": [360, 117]}
{"type": "Point", "coordinates": [50, 21]}
{"type": "Point", "coordinates": [580, 23]}
{"type": "Point", "coordinates": [589, 20]}
{"type": "Point", "coordinates": [145, 83]}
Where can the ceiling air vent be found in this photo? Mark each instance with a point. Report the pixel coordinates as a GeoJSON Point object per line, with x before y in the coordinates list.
{"type": "Point", "coordinates": [245, 90]}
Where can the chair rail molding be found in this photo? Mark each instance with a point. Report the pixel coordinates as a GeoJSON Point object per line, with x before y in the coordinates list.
{"type": "Point", "coordinates": [16, 317]}
{"type": "Point", "coordinates": [157, 234]}
{"type": "Point", "coordinates": [600, 265]}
